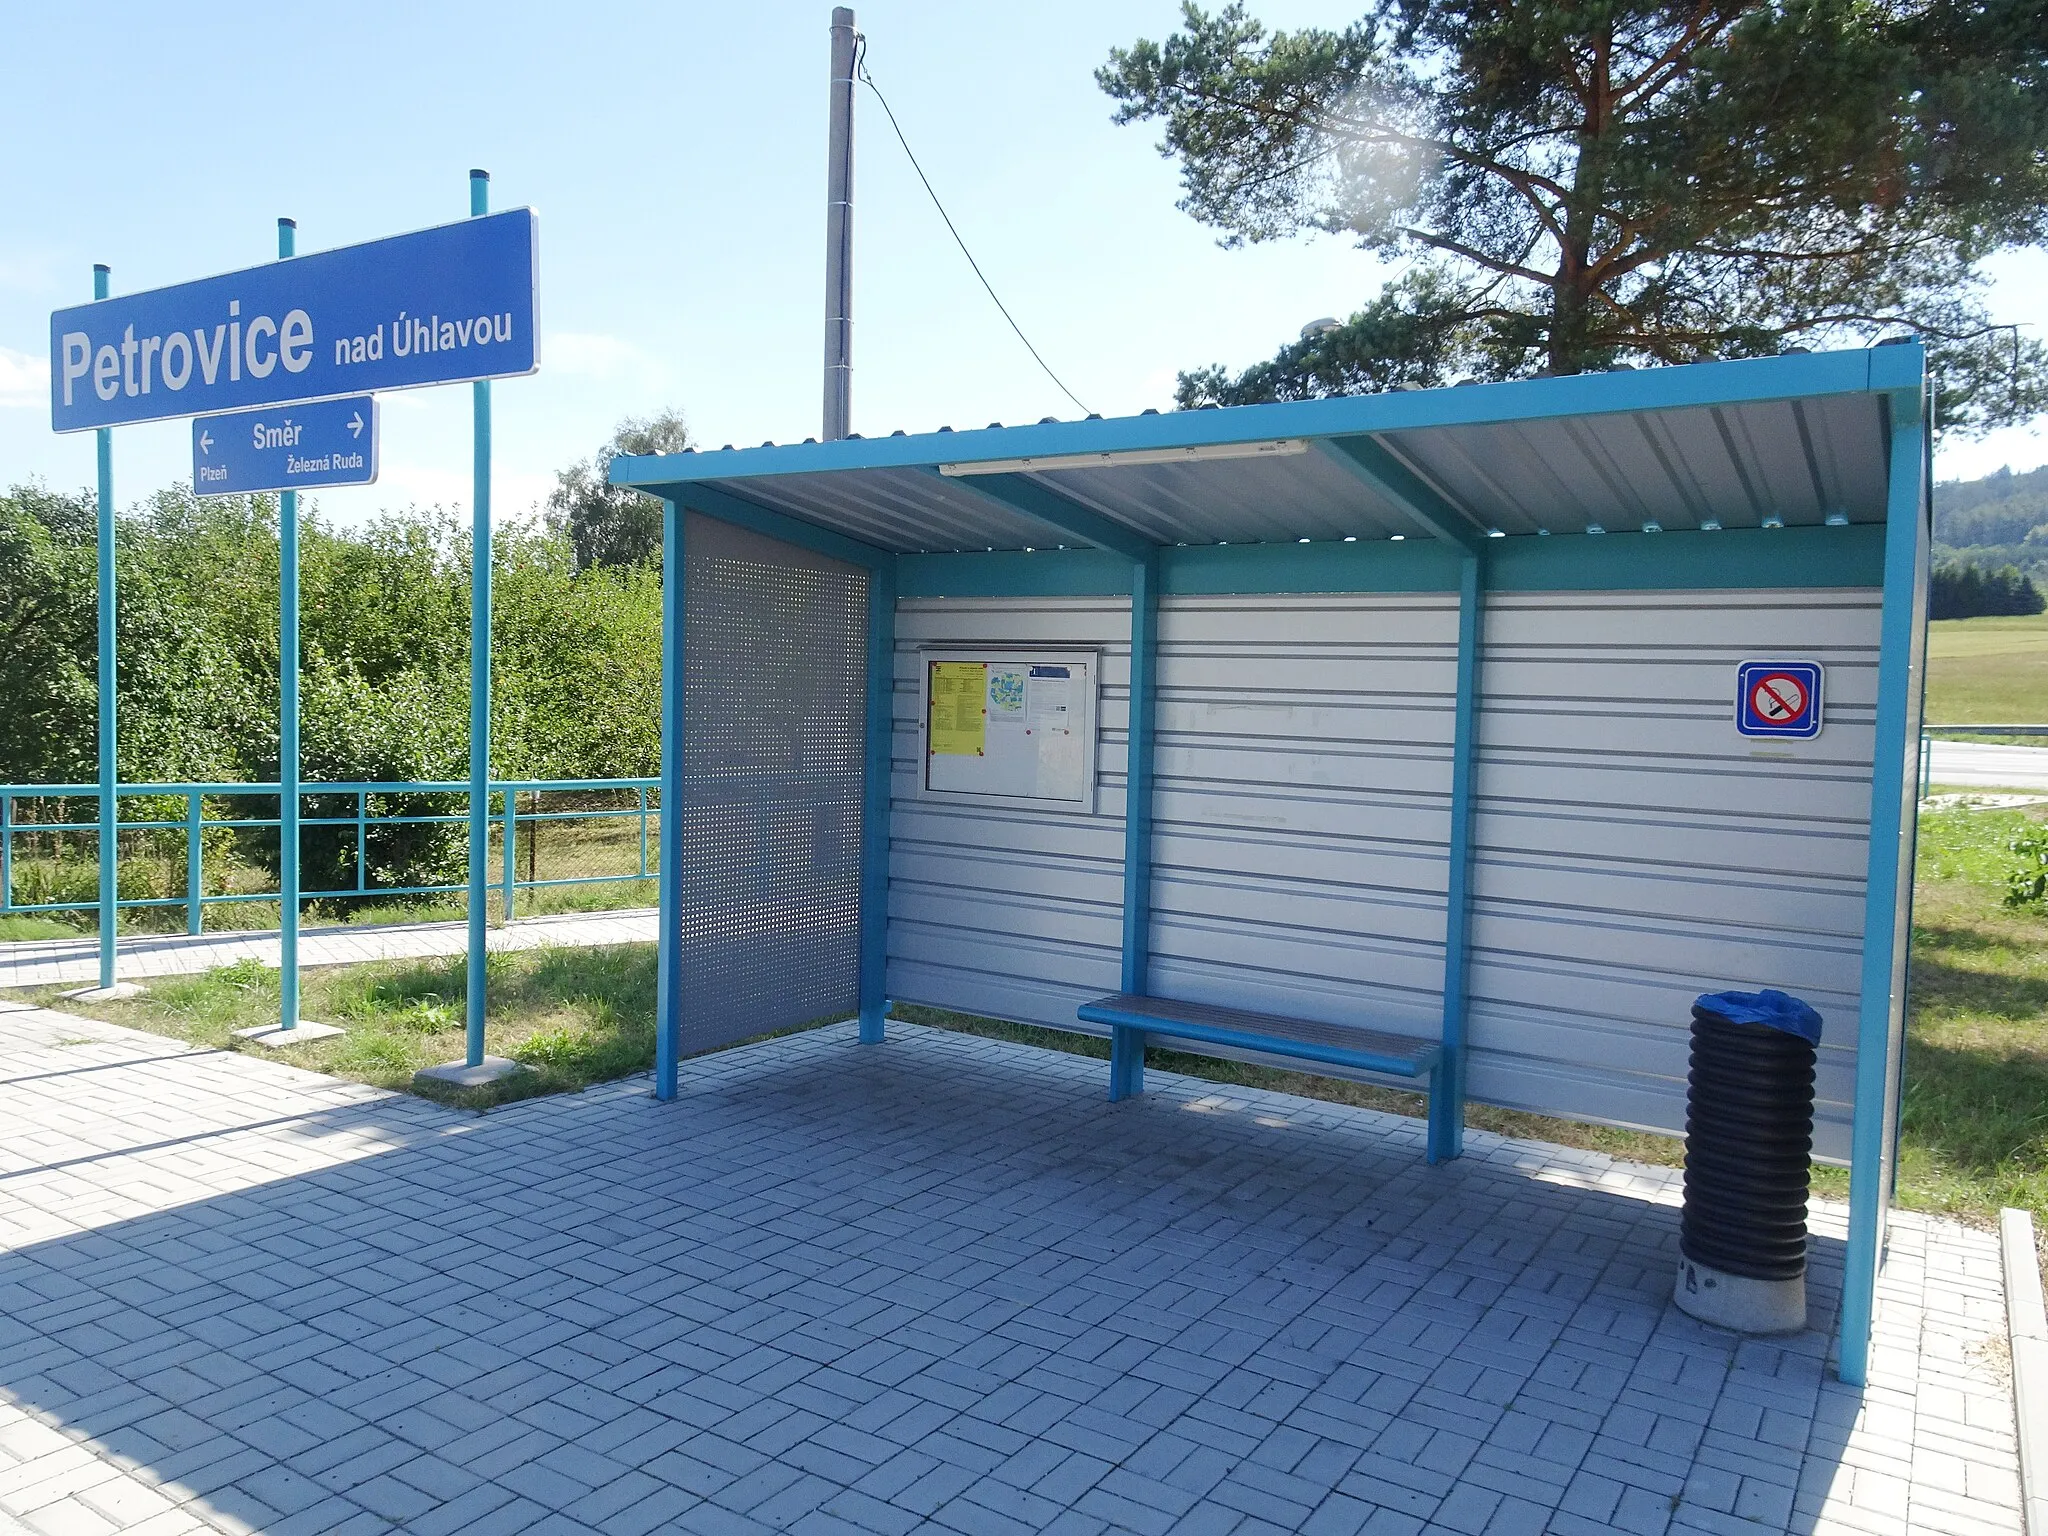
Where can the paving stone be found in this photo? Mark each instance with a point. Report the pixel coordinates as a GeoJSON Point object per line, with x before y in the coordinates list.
{"type": "Point", "coordinates": [938, 1286]}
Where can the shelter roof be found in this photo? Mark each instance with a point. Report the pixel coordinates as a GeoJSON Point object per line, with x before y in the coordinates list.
{"type": "Point", "coordinates": [1792, 441]}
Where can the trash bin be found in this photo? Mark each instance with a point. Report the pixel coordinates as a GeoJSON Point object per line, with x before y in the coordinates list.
{"type": "Point", "coordinates": [1748, 1140]}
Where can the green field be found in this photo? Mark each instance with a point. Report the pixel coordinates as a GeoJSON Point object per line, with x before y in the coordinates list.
{"type": "Point", "coordinates": [1989, 670]}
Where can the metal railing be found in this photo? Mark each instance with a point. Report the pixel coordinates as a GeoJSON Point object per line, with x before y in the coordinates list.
{"type": "Point", "coordinates": [1984, 730]}
{"type": "Point", "coordinates": [1929, 732]}
{"type": "Point", "coordinates": [195, 822]}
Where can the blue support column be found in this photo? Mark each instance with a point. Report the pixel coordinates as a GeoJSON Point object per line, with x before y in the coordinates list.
{"type": "Point", "coordinates": [1137, 940]}
{"type": "Point", "coordinates": [109, 681]}
{"type": "Point", "coordinates": [288, 727]}
{"type": "Point", "coordinates": [1376, 466]}
{"type": "Point", "coordinates": [509, 843]}
{"type": "Point", "coordinates": [668, 988]}
{"type": "Point", "coordinates": [6, 851]}
{"type": "Point", "coordinates": [195, 877]}
{"type": "Point", "coordinates": [1127, 1046]}
{"type": "Point", "coordinates": [479, 688]}
{"type": "Point", "coordinates": [1447, 1083]}
{"type": "Point", "coordinates": [875, 796]}
{"type": "Point", "coordinates": [1887, 903]}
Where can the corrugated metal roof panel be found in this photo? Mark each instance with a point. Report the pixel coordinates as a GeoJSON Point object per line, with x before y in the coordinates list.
{"type": "Point", "coordinates": [1793, 460]}
{"type": "Point", "coordinates": [911, 511]}
{"type": "Point", "coordinates": [1794, 440]}
{"type": "Point", "coordinates": [1235, 501]}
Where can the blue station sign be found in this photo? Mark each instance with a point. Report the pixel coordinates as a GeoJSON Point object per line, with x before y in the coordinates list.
{"type": "Point", "coordinates": [286, 447]}
{"type": "Point", "coordinates": [438, 306]}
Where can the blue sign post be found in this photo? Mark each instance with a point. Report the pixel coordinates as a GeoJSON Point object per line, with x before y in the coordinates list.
{"type": "Point", "coordinates": [286, 448]}
{"type": "Point", "coordinates": [278, 362]}
{"type": "Point", "coordinates": [439, 306]}
{"type": "Point", "coordinates": [109, 691]}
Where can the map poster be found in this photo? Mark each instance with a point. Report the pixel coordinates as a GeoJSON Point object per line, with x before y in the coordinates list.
{"type": "Point", "coordinates": [959, 723]}
{"type": "Point", "coordinates": [1005, 695]}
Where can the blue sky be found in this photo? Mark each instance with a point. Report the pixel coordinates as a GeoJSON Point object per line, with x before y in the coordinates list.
{"type": "Point", "coordinates": [676, 156]}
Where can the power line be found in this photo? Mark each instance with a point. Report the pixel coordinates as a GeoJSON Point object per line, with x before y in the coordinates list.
{"type": "Point", "coordinates": [860, 64]}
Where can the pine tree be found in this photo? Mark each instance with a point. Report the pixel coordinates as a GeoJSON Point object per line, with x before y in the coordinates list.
{"type": "Point", "coordinates": [1581, 183]}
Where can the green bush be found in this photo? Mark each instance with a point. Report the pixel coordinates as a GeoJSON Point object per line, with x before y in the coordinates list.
{"type": "Point", "coordinates": [384, 678]}
{"type": "Point", "coordinates": [2026, 883]}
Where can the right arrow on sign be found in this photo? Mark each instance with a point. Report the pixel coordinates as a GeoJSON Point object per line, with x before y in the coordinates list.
{"type": "Point", "coordinates": [355, 425]}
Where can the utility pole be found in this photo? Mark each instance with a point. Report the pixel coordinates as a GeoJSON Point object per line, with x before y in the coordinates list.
{"type": "Point", "coordinates": [839, 235]}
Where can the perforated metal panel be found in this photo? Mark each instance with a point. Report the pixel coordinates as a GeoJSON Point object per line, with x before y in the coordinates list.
{"type": "Point", "coordinates": [774, 688]}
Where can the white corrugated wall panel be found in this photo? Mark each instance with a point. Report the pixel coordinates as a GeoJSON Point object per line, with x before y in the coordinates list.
{"type": "Point", "coordinates": [1017, 914]}
{"type": "Point", "coordinates": [1302, 804]}
{"type": "Point", "coordinates": [1634, 851]}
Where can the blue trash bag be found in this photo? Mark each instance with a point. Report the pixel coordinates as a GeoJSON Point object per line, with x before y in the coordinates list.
{"type": "Point", "coordinates": [1778, 1010]}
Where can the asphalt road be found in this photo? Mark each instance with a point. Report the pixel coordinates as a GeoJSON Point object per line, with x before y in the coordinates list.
{"type": "Point", "coordinates": [1973, 765]}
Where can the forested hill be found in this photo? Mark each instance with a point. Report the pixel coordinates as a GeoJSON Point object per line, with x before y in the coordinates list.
{"type": "Point", "coordinates": [2001, 519]}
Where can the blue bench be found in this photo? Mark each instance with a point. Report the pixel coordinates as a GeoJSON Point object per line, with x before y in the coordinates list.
{"type": "Point", "coordinates": [1133, 1019]}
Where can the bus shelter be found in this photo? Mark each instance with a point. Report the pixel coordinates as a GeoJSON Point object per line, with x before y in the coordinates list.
{"type": "Point", "coordinates": [1503, 718]}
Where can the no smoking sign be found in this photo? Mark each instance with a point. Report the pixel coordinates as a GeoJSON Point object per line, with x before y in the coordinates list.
{"type": "Point", "coordinates": [1778, 698]}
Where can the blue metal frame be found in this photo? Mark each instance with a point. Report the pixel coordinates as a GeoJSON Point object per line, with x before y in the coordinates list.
{"type": "Point", "coordinates": [1373, 466]}
{"type": "Point", "coordinates": [877, 770]}
{"type": "Point", "coordinates": [195, 821]}
{"type": "Point", "coordinates": [1019, 493]}
{"type": "Point", "coordinates": [475, 988]}
{"type": "Point", "coordinates": [1815, 375]}
{"type": "Point", "coordinates": [1127, 1055]}
{"type": "Point", "coordinates": [1887, 905]}
{"type": "Point", "coordinates": [769, 523]}
{"type": "Point", "coordinates": [109, 686]}
{"type": "Point", "coordinates": [1389, 478]}
{"type": "Point", "coordinates": [1447, 1087]}
{"type": "Point", "coordinates": [1849, 556]}
{"type": "Point", "coordinates": [1144, 709]}
{"type": "Point", "coordinates": [668, 986]}
{"type": "Point", "coordinates": [288, 806]}
{"type": "Point", "coordinates": [1462, 557]}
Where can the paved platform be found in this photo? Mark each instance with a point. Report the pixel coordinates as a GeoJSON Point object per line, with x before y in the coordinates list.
{"type": "Point", "coordinates": [54, 962]}
{"type": "Point", "coordinates": [935, 1285]}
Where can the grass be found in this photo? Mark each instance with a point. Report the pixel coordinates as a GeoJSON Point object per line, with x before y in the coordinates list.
{"type": "Point", "coordinates": [573, 1016]}
{"type": "Point", "coordinates": [17, 926]}
{"type": "Point", "coordinates": [1989, 670]}
{"type": "Point", "coordinates": [1974, 1124]}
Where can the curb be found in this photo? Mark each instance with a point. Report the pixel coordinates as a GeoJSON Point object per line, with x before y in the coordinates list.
{"type": "Point", "coordinates": [2027, 1326]}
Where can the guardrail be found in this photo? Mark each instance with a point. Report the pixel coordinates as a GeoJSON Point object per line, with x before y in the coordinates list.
{"type": "Point", "coordinates": [1929, 732]}
{"type": "Point", "coordinates": [196, 821]}
{"type": "Point", "coordinates": [1984, 730]}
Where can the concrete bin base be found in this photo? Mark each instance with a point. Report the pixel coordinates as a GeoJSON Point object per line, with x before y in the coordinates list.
{"type": "Point", "coordinates": [1738, 1302]}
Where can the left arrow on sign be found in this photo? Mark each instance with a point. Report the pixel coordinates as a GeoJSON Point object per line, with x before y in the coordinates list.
{"type": "Point", "coordinates": [205, 442]}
